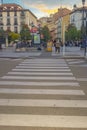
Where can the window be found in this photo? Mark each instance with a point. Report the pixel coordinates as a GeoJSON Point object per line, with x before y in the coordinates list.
{"type": "Point", "coordinates": [8, 21]}
{"type": "Point", "coordinates": [8, 28]}
{"type": "Point", "coordinates": [15, 21]}
{"type": "Point", "coordinates": [15, 29]}
{"type": "Point", "coordinates": [15, 13]}
{"type": "Point", "coordinates": [0, 14]}
{"type": "Point", "coordinates": [1, 28]}
{"type": "Point", "coordinates": [8, 13]}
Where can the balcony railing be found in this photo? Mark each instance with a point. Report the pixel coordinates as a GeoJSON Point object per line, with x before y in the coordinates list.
{"type": "Point", "coordinates": [0, 15]}
{"type": "Point", "coordinates": [8, 23]}
{"type": "Point", "coordinates": [15, 23]}
{"type": "Point", "coordinates": [1, 24]}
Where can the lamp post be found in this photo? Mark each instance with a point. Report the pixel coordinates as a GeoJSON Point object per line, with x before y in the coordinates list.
{"type": "Point", "coordinates": [83, 28]}
{"type": "Point", "coordinates": [32, 32]}
{"type": "Point", "coordinates": [6, 38]}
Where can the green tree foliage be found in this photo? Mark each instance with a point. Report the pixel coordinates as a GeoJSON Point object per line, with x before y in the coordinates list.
{"type": "Point", "coordinates": [46, 33]}
{"type": "Point", "coordinates": [25, 33]}
{"type": "Point", "coordinates": [72, 33]}
{"type": "Point", "coordinates": [14, 36]}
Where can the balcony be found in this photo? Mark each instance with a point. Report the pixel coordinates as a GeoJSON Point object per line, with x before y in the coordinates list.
{"type": "Point", "coordinates": [8, 23]}
{"type": "Point", "coordinates": [1, 24]}
{"type": "Point", "coordinates": [22, 15]}
{"type": "Point", "coordinates": [0, 15]}
{"type": "Point", "coordinates": [22, 23]}
{"type": "Point", "coordinates": [15, 23]}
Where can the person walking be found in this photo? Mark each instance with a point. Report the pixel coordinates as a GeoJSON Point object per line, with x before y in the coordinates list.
{"type": "Point", "coordinates": [57, 46]}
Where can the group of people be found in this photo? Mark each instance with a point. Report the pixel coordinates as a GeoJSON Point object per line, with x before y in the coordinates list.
{"type": "Point", "coordinates": [21, 44]}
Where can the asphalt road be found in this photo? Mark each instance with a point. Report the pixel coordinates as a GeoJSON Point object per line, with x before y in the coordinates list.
{"type": "Point", "coordinates": [43, 94]}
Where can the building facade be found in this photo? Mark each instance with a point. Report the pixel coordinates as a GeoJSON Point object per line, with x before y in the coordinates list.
{"type": "Point", "coordinates": [13, 16]}
{"type": "Point", "coordinates": [76, 17]}
{"type": "Point", "coordinates": [62, 21]}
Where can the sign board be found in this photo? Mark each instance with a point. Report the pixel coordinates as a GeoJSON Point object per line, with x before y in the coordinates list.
{"type": "Point", "coordinates": [33, 30]}
{"type": "Point", "coordinates": [36, 38]}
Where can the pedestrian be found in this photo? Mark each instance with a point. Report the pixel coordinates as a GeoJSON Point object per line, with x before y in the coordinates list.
{"type": "Point", "coordinates": [57, 46]}
{"type": "Point", "coordinates": [54, 44]}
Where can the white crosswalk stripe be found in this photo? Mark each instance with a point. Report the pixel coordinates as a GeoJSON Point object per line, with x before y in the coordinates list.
{"type": "Point", "coordinates": [23, 66]}
{"type": "Point", "coordinates": [38, 78]}
{"type": "Point", "coordinates": [47, 91]}
{"type": "Point", "coordinates": [39, 83]}
{"type": "Point", "coordinates": [47, 70]}
{"type": "Point", "coordinates": [42, 91]}
{"type": "Point", "coordinates": [40, 73]}
{"type": "Point", "coordinates": [43, 121]}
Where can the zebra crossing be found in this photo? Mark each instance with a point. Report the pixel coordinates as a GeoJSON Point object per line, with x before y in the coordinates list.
{"type": "Point", "coordinates": [76, 62]}
{"type": "Point", "coordinates": [42, 94]}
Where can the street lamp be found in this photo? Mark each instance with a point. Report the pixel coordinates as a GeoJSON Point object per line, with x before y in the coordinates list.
{"type": "Point", "coordinates": [32, 32]}
{"type": "Point", "coordinates": [6, 38]}
{"type": "Point", "coordinates": [83, 28]}
{"type": "Point", "coordinates": [83, 2]}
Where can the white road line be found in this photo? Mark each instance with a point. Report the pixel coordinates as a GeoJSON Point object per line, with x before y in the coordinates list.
{"type": "Point", "coordinates": [47, 70]}
{"type": "Point", "coordinates": [44, 65]}
{"type": "Point", "coordinates": [40, 73]}
{"type": "Point", "coordinates": [41, 62]}
{"type": "Point", "coordinates": [39, 83]}
{"type": "Point", "coordinates": [76, 62]}
{"type": "Point", "coordinates": [44, 103]}
{"type": "Point", "coordinates": [69, 60]}
{"type": "Point", "coordinates": [85, 65]}
{"type": "Point", "coordinates": [42, 91]}
{"type": "Point", "coordinates": [82, 79]}
{"type": "Point", "coordinates": [60, 67]}
{"type": "Point", "coordinates": [44, 60]}
{"type": "Point", "coordinates": [38, 78]}
{"type": "Point", "coordinates": [43, 121]}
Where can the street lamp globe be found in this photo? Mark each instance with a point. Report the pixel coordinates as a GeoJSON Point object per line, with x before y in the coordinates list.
{"type": "Point", "coordinates": [83, 2]}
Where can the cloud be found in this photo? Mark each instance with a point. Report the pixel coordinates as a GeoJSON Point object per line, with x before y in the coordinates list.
{"type": "Point", "coordinates": [46, 7]}
{"type": "Point", "coordinates": [40, 6]}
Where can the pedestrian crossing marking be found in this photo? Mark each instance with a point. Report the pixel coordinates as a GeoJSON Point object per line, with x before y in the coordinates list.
{"type": "Point", "coordinates": [76, 62]}
{"type": "Point", "coordinates": [38, 78]}
{"type": "Point", "coordinates": [43, 121]}
{"type": "Point", "coordinates": [39, 83]}
{"type": "Point", "coordinates": [44, 103]}
{"type": "Point", "coordinates": [44, 65]}
{"type": "Point", "coordinates": [40, 63]}
{"type": "Point", "coordinates": [47, 70]}
{"type": "Point", "coordinates": [25, 66]}
{"type": "Point", "coordinates": [82, 79]}
{"type": "Point", "coordinates": [40, 73]}
{"type": "Point", "coordinates": [42, 91]}
{"type": "Point", "coordinates": [57, 73]}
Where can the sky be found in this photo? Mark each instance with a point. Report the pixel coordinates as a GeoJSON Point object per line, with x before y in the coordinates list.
{"type": "Point", "coordinates": [43, 8]}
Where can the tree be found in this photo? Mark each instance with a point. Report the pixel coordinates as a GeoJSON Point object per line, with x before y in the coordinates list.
{"type": "Point", "coordinates": [13, 36]}
{"type": "Point", "coordinates": [71, 33]}
{"type": "Point", "coordinates": [46, 33]}
{"type": "Point", "coordinates": [79, 35]}
{"type": "Point", "coordinates": [25, 33]}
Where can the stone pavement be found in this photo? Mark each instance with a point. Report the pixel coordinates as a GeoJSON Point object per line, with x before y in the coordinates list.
{"type": "Point", "coordinates": [67, 53]}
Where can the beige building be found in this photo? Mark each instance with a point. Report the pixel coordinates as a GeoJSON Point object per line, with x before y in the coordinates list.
{"type": "Point", "coordinates": [49, 22]}
{"type": "Point", "coordinates": [62, 21]}
{"type": "Point", "coordinates": [13, 16]}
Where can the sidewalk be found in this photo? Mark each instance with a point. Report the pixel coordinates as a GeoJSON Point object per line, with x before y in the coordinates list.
{"type": "Point", "coordinates": [69, 52]}
{"type": "Point", "coordinates": [11, 53]}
